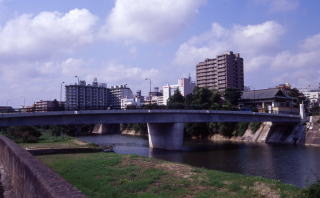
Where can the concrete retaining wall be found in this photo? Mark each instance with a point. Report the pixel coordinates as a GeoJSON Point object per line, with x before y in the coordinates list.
{"type": "Point", "coordinates": [29, 177]}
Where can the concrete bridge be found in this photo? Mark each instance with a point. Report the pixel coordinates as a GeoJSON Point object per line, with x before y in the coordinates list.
{"type": "Point", "coordinates": [165, 127]}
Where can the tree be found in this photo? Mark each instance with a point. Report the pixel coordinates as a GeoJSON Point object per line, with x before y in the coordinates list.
{"type": "Point", "coordinates": [232, 96]}
{"type": "Point", "coordinates": [216, 100]}
{"type": "Point", "coordinates": [176, 100]}
{"type": "Point", "coordinates": [24, 134]}
{"type": "Point", "coordinates": [202, 97]}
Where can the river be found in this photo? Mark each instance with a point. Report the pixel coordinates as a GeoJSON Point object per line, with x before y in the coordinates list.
{"type": "Point", "coordinates": [297, 165]}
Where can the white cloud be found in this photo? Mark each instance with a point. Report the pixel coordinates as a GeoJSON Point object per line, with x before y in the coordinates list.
{"type": "Point", "coordinates": [36, 80]}
{"type": "Point", "coordinates": [280, 5]}
{"type": "Point", "coordinates": [46, 34]}
{"type": "Point", "coordinates": [151, 20]}
{"type": "Point", "coordinates": [254, 42]}
{"type": "Point", "coordinates": [301, 59]}
{"type": "Point", "coordinates": [299, 78]}
{"type": "Point", "coordinates": [312, 43]}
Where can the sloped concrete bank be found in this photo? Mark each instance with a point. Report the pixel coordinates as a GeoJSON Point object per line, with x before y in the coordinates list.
{"type": "Point", "coordinates": [304, 133]}
{"type": "Point", "coordinates": [29, 178]}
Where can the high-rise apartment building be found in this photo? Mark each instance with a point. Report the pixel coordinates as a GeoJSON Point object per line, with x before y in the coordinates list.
{"type": "Point", "coordinates": [84, 96]}
{"type": "Point", "coordinates": [117, 93]}
{"type": "Point", "coordinates": [224, 71]}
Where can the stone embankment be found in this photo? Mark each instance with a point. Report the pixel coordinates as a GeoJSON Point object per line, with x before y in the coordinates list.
{"type": "Point", "coordinates": [312, 135]}
{"type": "Point", "coordinates": [305, 133]}
{"type": "Point", "coordinates": [28, 177]}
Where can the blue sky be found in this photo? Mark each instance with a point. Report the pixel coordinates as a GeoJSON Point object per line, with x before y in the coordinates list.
{"type": "Point", "coordinates": [44, 43]}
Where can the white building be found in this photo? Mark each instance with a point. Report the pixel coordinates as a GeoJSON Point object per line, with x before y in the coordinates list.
{"type": "Point", "coordinates": [312, 95]}
{"type": "Point", "coordinates": [185, 86]}
{"type": "Point", "coordinates": [117, 93]}
{"type": "Point", "coordinates": [130, 102]}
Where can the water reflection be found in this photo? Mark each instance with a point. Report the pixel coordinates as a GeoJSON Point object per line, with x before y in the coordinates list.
{"type": "Point", "coordinates": [296, 165]}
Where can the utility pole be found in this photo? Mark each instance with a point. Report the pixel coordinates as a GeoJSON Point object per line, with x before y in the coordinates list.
{"type": "Point", "coordinates": [61, 92]}
{"type": "Point", "coordinates": [78, 92]}
{"type": "Point", "coordinates": [149, 90]}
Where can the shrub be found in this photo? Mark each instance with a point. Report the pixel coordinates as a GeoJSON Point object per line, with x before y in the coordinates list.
{"type": "Point", "coordinates": [312, 191]}
{"type": "Point", "coordinates": [254, 126]}
{"type": "Point", "coordinates": [227, 129]}
{"type": "Point", "coordinates": [241, 128]}
{"type": "Point", "coordinates": [24, 134]}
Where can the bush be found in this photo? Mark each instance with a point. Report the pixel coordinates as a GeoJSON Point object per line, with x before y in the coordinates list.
{"type": "Point", "coordinates": [312, 191]}
{"type": "Point", "coordinates": [254, 126]}
{"type": "Point", "coordinates": [241, 128]}
{"type": "Point", "coordinates": [199, 130]}
{"type": "Point", "coordinates": [24, 134]}
{"type": "Point", "coordinates": [227, 129]}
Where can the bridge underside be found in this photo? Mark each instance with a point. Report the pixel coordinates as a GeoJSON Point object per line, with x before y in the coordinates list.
{"type": "Point", "coordinates": [167, 136]}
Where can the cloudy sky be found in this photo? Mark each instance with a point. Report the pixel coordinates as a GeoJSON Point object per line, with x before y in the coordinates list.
{"type": "Point", "coordinates": [43, 43]}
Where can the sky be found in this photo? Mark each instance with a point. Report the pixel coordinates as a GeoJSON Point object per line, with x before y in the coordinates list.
{"type": "Point", "coordinates": [45, 43]}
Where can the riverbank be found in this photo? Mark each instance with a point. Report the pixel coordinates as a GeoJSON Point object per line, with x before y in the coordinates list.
{"type": "Point", "coordinates": [114, 175]}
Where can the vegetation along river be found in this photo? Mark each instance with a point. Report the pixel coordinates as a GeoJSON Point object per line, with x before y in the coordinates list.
{"type": "Point", "coordinates": [297, 165]}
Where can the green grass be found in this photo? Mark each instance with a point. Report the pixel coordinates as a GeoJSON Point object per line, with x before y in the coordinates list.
{"type": "Point", "coordinates": [46, 137]}
{"type": "Point", "coordinates": [101, 175]}
{"type": "Point", "coordinates": [46, 140]}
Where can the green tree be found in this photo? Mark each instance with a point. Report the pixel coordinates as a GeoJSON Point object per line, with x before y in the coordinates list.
{"type": "Point", "coordinates": [216, 100]}
{"type": "Point", "coordinates": [176, 101]}
{"type": "Point", "coordinates": [312, 191]}
{"type": "Point", "coordinates": [202, 97]}
{"type": "Point", "coordinates": [24, 134]}
{"type": "Point", "coordinates": [232, 96]}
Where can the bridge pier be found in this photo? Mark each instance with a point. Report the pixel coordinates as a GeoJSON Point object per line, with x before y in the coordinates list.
{"type": "Point", "coordinates": [102, 129]}
{"type": "Point", "coordinates": [167, 136]}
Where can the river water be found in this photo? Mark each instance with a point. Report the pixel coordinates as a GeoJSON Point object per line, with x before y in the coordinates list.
{"type": "Point", "coordinates": [297, 165]}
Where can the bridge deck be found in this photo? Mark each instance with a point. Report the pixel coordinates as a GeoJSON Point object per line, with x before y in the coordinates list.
{"type": "Point", "coordinates": [138, 116]}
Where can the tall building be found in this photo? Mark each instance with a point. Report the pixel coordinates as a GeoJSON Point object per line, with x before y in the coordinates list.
{"type": "Point", "coordinates": [84, 96]}
{"type": "Point", "coordinates": [224, 71]}
{"type": "Point", "coordinates": [116, 94]}
{"type": "Point", "coordinates": [185, 86]}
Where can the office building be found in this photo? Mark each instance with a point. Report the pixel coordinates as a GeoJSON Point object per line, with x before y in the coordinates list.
{"type": "Point", "coordinates": [84, 96]}
{"type": "Point", "coordinates": [185, 86]}
{"type": "Point", "coordinates": [224, 71]}
{"type": "Point", "coordinates": [313, 96]}
{"type": "Point", "coordinates": [116, 94]}
{"type": "Point", "coordinates": [44, 106]}
{"type": "Point", "coordinates": [6, 109]}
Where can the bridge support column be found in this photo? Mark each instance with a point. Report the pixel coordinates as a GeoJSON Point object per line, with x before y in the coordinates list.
{"type": "Point", "coordinates": [167, 136]}
{"type": "Point", "coordinates": [106, 129]}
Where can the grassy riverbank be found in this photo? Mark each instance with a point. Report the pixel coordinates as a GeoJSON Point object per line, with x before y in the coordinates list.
{"type": "Point", "coordinates": [111, 175]}
{"type": "Point", "coordinates": [46, 140]}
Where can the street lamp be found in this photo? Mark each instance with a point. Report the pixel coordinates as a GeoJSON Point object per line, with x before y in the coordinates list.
{"type": "Point", "coordinates": [78, 97]}
{"type": "Point", "coordinates": [149, 89]}
{"type": "Point", "coordinates": [77, 77]}
{"type": "Point", "coordinates": [61, 92]}
{"type": "Point", "coordinates": [24, 100]}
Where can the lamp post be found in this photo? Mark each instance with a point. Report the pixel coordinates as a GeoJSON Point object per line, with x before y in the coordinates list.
{"type": "Point", "coordinates": [77, 77]}
{"type": "Point", "coordinates": [149, 90]}
{"type": "Point", "coordinates": [24, 101]}
{"type": "Point", "coordinates": [78, 97]}
{"type": "Point", "coordinates": [61, 92]}
{"type": "Point", "coordinates": [7, 103]}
